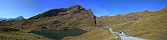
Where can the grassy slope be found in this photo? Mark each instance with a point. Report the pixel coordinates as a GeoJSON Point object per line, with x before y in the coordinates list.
{"type": "Point", "coordinates": [96, 34]}
{"type": "Point", "coordinates": [18, 35]}
{"type": "Point", "coordinates": [149, 25]}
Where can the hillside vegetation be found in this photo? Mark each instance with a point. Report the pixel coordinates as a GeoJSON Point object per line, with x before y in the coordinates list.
{"type": "Point", "coordinates": [148, 25]}
{"type": "Point", "coordinates": [9, 33]}
{"type": "Point", "coordinates": [96, 34]}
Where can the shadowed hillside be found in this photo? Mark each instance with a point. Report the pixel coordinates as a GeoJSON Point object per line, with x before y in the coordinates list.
{"type": "Point", "coordinates": [60, 19]}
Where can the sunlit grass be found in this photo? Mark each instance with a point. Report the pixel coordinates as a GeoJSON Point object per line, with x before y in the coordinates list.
{"type": "Point", "coordinates": [96, 34]}
{"type": "Point", "coordinates": [149, 25]}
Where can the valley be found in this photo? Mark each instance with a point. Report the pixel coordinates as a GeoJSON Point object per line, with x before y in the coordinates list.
{"type": "Point", "coordinates": [78, 23]}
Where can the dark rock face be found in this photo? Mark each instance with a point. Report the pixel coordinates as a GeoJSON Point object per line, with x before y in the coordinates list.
{"type": "Point", "coordinates": [60, 12]}
{"type": "Point", "coordinates": [63, 18]}
{"type": "Point", "coordinates": [53, 12]}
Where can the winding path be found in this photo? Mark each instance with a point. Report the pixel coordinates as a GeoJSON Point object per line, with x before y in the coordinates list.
{"type": "Point", "coordinates": [124, 37]}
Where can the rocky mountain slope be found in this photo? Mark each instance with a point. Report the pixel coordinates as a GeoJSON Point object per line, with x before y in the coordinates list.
{"type": "Point", "coordinates": [61, 19]}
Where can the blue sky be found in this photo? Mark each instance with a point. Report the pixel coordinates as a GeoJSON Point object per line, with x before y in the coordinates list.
{"type": "Point", "coordinates": [29, 8]}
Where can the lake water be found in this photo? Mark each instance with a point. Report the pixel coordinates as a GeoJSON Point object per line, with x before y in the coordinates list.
{"type": "Point", "coordinates": [60, 34]}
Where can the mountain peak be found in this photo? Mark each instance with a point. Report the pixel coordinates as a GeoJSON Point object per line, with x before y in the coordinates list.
{"type": "Point", "coordinates": [76, 7]}
{"type": "Point", "coordinates": [165, 8]}
{"type": "Point", "coordinates": [60, 11]}
{"type": "Point", "coordinates": [20, 17]}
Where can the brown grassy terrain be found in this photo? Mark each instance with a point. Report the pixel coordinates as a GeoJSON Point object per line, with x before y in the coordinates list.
{"type": "Point", "coordinates": [148, 25]}
{"type": "Point", "coordinates": [96, 34]}
{"type": "Point", "coordinates": [9, 33]}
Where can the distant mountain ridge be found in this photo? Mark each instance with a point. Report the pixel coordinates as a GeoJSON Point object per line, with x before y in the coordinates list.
{"type": "Point", "coordinates": [16, 19]}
